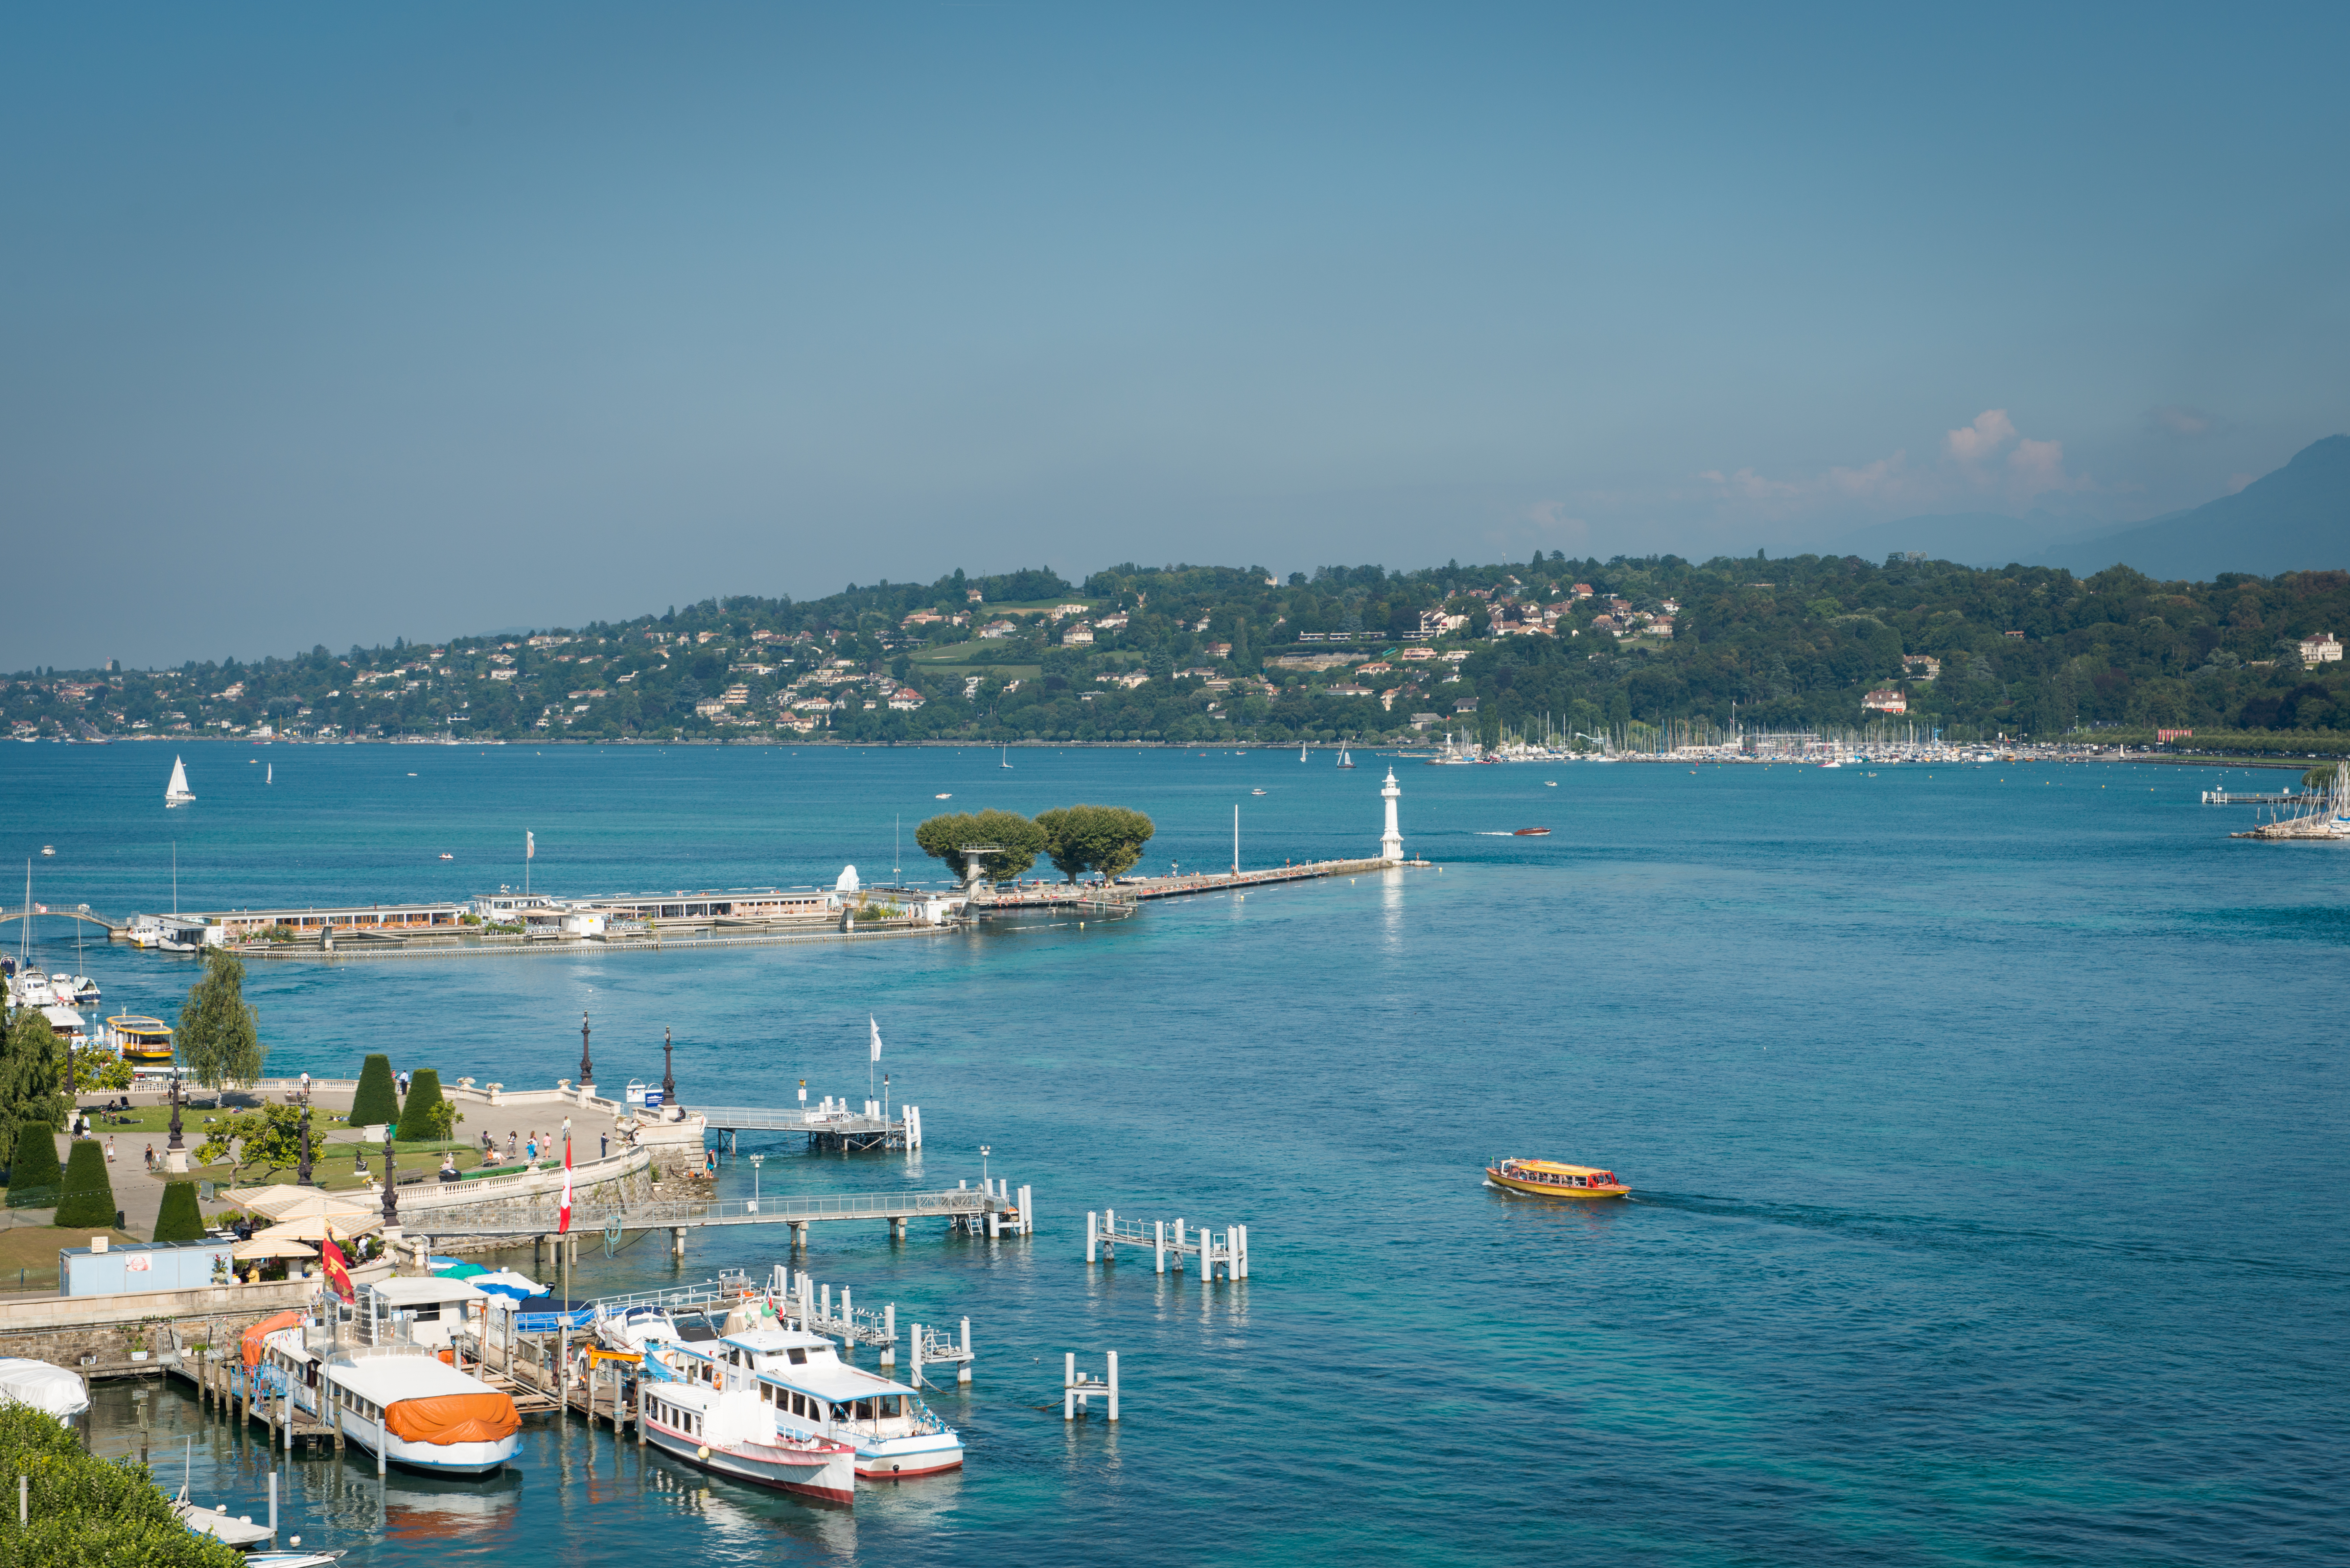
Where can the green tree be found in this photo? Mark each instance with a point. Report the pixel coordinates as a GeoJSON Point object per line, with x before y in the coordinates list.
{"type": "Point", "coordinates": [376, 1101]}
{"type": "Point", "coordinates": [34, 1177]}
{"type": "Point", "coordinates": [1017, 841]}
{"type": "Point", "coordinates": [270, 1138]}
{"type": "Point", "coordinates": [1108, 839]}
{"type": "Point", "coordinates": [30, 1094]}
{"type": "Point", "coordinates": [96, 1067]}
{"type": "Point", "coordinates": [179, 1219]}
{"type": "Point", "coordinates": [86, 1201]}
{"type": "Point", "coordinates": [424, 1097]}
{"type": "Point", "coordinates": [220, 1036]}
{"type": "Point", "coordinates": [89, 1512]}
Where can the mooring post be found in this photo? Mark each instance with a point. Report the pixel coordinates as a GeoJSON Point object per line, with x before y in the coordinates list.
{"type": "Point", "coordinates": [990, 1220]}
{"type": "Point", "coordinates": [382, 1441]}
{"type": "Point", "coordinates": [1070, 1387]}
{"type": "Point", "coordinates": [1113, 1385]}
{"type": "Point", "coordinates": [1027, 1215]}
{"type": "Point", "coordinates": [1240, 1254]}
{"type": "Point", "coordinates": [914, 1353]}
{"type": "Point", "coordinates": [1161, 1250]}
{"type": "Point", "coordinates": [1178, 1243]}
{"type": "Point", "coordinates": [288, 1412]}
{"type": "Point", "coordinates": [963, 1368]}
{"type": "Point", "coordinates": [824, 1307]}
{"type": "Point", "coordinates": [677, 1242]}
{"type": "Point", "coordinates": [889, 1327]}
{"type": "Point", "coordinates": [847, 1320]}
{"type": "Point", "coordinates": [273, 1508]}
{"type": "Point", "coordinates": [1092, 1220]}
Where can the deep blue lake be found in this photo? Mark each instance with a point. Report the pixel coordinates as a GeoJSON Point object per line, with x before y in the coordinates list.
{"type": "Point", "coordinates": [1987, 1127]}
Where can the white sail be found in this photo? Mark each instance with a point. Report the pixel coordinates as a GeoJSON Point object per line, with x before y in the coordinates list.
{"type": "Point", "coordinates": [177, 790]}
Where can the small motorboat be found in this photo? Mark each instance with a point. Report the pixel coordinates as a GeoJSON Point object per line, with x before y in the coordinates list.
{"type": "Point", "coordinates": [1550, 783]}
{"type": "Point", "coordinates": [1549, 1179]}
{"type": "Point", "coordinates": [942, 797]}
{"type": "Point", "coordinates": [1531, 833]}
{"type": "Point", "coordinates": [446, 855]}
{"type": "Point", "coordinates": [47, 850]}
{"type": "Point", "coordinates": [1256, 792]}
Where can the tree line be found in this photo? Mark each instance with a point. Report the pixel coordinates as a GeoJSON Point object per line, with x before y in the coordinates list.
{"type": "Point", "coordinates": [1105, 840]}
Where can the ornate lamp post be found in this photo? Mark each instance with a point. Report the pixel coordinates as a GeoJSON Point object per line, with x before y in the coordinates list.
{"type": "Point", "coordinates": [390, 1189]}
{"type": "Point", "coordinates": [302, 1174]}
{"type": "Point", "coordinates": [669, 1078]}
{"type": "Point", "coordinates": [175, 1153]}
{"type": "Point", "coordinates": [586, 1067]}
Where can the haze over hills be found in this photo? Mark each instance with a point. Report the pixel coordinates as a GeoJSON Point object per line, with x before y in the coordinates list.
{"type": "Point", "coordinates": [2294, 519]}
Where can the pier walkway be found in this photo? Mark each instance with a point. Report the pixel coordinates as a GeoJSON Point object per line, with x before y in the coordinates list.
{"type": "Point", "coordinates": [1122, 896]}
{"type": "Point", "coordinates": [837, 1130]}
{"type": "Point", "coordinates": [799, 1213]}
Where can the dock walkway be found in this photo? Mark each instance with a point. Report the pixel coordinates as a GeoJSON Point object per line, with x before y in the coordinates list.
{"type": "Point", "coordinates": [1120, 898]}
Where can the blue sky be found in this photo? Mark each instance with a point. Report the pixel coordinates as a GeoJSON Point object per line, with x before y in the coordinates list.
{"type": "Point", "coordinates": [322, 324]}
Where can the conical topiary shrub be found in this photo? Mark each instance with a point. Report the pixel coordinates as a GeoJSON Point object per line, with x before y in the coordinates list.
{"type": "Point", "coordinates": [415, 1111]}
{"type": "Point", "coordinates": [87, 1201]}
{"type": "Point", "coordinates": [34, 1179]}
{"type": "Point", "coordinates": [179, 1219]}
{"type": "Point", "coordinates": [377, 1100]}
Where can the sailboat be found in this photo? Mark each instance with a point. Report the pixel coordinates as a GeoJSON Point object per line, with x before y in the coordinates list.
{"type": "Point", "coordinates": [177, 792]}
{"type": "Point", "coordinates": [269, 773]}
{"type": "Point", "coordinates": [1345, 758]}
{"type": "Point", "coordinates": [1005, 759]}
{"type": "Point", "coordinates": [1301, 751]}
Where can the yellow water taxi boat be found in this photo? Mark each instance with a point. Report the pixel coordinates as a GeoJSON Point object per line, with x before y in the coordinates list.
{"type": "Point", "coordinates": [1549, 1179]}
{"type": "Point", "coordinates": [146, 1042]}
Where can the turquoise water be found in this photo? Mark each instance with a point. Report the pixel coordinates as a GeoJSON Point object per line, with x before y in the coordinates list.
{"type": "Point", "coordinates": [1988, 1129]}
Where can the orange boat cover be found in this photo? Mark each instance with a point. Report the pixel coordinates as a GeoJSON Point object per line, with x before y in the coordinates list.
{"type": "Point", "coordinates": [454, 1418]}
{"type": "Point", "coordinates": [268, 1326]}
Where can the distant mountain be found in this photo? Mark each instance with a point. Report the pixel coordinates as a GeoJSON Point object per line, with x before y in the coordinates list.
{"type": "Point", "coordinates": [1983, 539]}
{"type": "Point", "coordinates": [2296, 519]}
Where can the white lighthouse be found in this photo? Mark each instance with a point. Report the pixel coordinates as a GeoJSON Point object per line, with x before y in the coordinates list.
{"type": "Point", "coordinates": [1392, 841]}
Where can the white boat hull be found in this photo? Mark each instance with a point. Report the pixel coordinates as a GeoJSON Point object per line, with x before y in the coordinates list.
{"type": "Point", "coordinates": [826, 1476]}
{"type": "Point", "coordinates": [903, 1459]}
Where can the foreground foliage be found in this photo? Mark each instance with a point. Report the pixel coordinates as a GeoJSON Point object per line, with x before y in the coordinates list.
{"type": "Point", "coordinates": [87, 1513]}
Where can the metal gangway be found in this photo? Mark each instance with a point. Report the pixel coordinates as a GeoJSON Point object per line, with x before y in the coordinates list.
{"type": "Point", "coordinates": [1105, 1234]}
{"type": "Point", "coordinates": [830, 1124]}
{"type": "Point", "coordinates": [615, 1218]}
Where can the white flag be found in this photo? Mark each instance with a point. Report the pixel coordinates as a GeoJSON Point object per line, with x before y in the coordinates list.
{"type": "Point", "coordinates": [876, 1037]}
{"type": "Point", "coordinates": [529, 845]}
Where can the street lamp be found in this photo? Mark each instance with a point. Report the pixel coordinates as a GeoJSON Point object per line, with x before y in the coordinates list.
{"type": "Point", "coordinates": [983, 1152]}
{"type": "Point", "coordinates": [756, 1161]}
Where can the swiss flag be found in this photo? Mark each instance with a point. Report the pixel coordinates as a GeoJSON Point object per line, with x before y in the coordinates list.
{"type": "Point", "coordinates": [566, 1215]}
{"type": "Point", "coordinates": [337, 1271]}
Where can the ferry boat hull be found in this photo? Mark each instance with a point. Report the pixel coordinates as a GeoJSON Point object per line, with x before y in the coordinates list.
{"type": "Point", "coordinates": [828, 1476]}
{"type": "Point", "coordinates": [903, 1459]}
{"type": "Point", "coordinates": [1529, 1178]}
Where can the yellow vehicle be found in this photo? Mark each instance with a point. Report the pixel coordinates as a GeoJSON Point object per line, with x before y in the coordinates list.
{"type": "Point", "coordinates": [1549, 1178]}
{"type": "Point", "coordinates": [144, 1041]}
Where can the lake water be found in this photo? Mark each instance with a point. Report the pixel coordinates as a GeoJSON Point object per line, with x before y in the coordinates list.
{"type": "Point", "coordinates": [1988, 1129]}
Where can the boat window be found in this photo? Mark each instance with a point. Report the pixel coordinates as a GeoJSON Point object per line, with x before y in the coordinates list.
{"type": "Point", "coordinates": [799, 1357]}
{"type": "Point", "coordinates": [799, 1405]}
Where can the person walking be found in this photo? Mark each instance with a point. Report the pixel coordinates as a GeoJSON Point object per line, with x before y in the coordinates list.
{"type": "Point", "coordinates": [305, 1088]}
{"type": "Point", "coordinates": [150, 1158]}
{"type": "Point", "coordinates": [109, 1149]}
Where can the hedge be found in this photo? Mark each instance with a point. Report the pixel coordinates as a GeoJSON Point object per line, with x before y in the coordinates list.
{"type": "Point", "coordinates": [87, 1201]}
{"type": "Point", "coordinates": [377, 1100]}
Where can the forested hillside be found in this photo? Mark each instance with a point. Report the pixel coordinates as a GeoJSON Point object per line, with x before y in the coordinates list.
{"type": "Point", "coordinates": [1202, 653]}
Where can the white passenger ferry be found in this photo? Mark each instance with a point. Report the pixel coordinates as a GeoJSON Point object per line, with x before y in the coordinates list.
{"type": "Point", "coordinates": [395, 1394]}
{"type": "Point", "coordinates": [813, 1393]}
{"type": "Point", "coordinates": [728, 1428]}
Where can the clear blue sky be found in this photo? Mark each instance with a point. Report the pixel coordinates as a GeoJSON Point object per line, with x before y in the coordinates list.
{"type": "Point", "coordinates": [321, 324]}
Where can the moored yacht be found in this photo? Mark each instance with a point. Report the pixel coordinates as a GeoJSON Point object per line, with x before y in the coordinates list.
{"type": "Point", "coordinates": [390, 1390]}
{"type": "Point", "coordinates": [728, 1428]}
{"type": "Point", "coordinates": [813, 1393]}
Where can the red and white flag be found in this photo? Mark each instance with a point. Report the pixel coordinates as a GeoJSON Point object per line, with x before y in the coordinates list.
{"type": "Point", "coordinates": [336, 1267]}
{"type": "Point", "coordinates": [564, 1216]}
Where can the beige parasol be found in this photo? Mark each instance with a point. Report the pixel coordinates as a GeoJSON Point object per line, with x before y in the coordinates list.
{"type": "Point", "coordinates": [314, 1226]}
{"type": "Point", "coordinates": [283, 1202]}
{"type": "Point", "coordinates": [265, 1245]}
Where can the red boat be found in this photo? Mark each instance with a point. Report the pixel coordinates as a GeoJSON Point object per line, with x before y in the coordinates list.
{"type": "Point", "coordinates": [1531, 833]}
